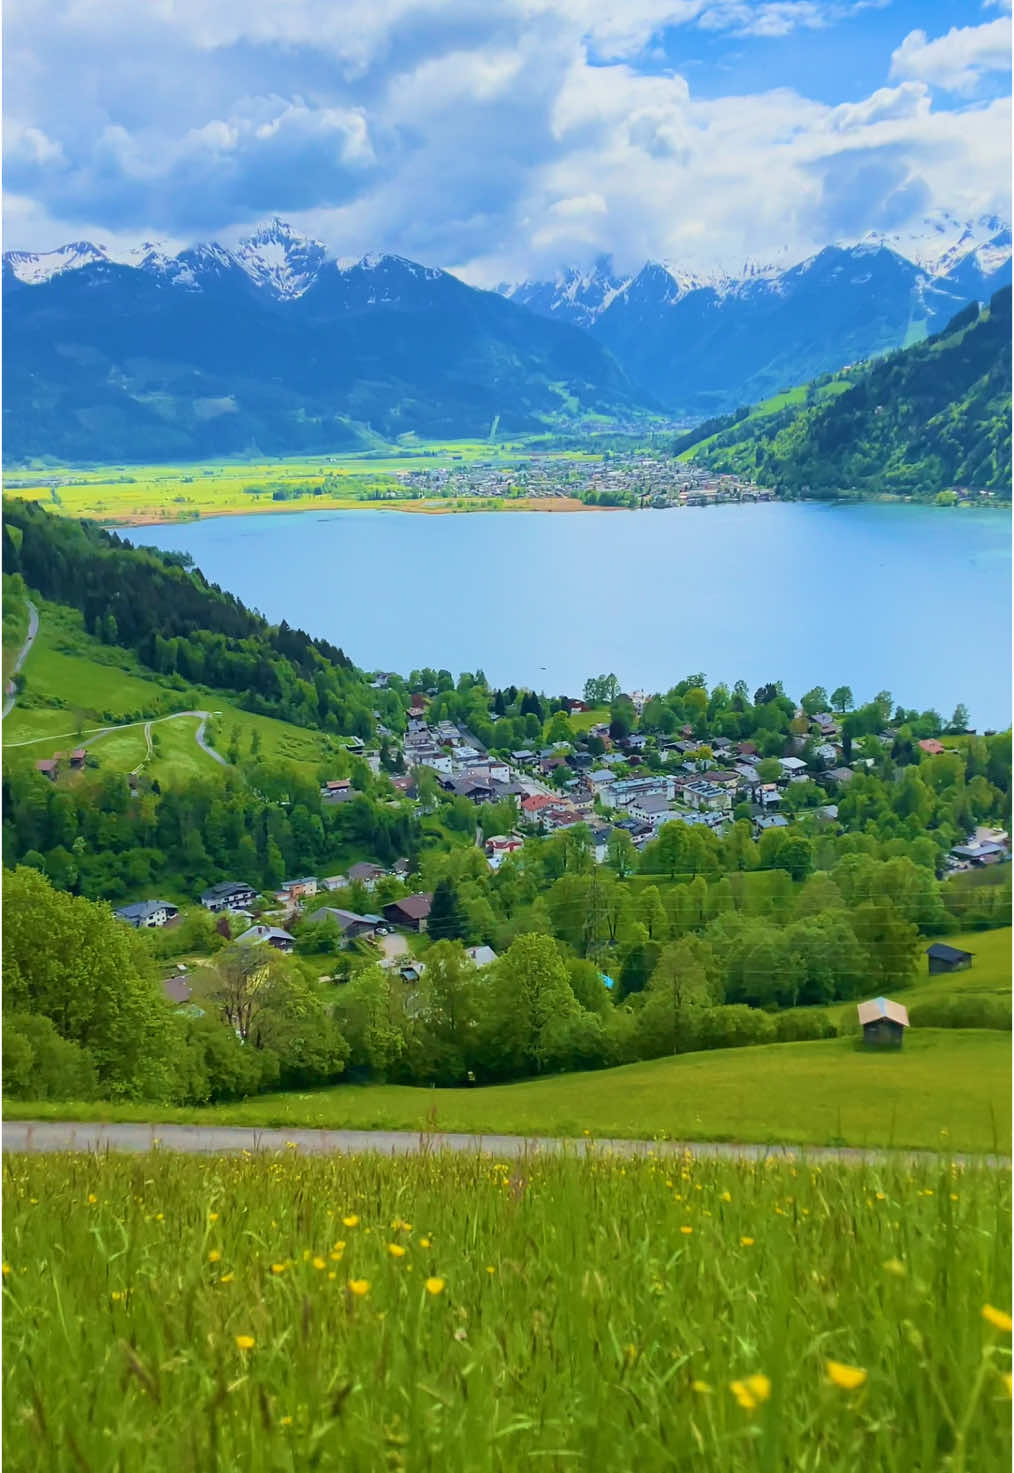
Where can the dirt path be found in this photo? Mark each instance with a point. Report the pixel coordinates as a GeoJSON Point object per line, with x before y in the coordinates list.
{"type": "Point", "coordinates": [12, 688]}
{"type": "Point", "coordinates": [40, 1137]}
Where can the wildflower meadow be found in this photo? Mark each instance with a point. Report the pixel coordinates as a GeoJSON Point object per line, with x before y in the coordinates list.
{"type": "Point", "coordinates": [463, 1314]}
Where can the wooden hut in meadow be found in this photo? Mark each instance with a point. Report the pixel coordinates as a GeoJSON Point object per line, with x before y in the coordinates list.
{"type": "Point", "coordinates": [883, 1023]}
{"type": "Point", "coordinates": [943, 958]}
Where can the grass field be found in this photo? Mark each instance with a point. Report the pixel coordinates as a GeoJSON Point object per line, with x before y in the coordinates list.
{"type": "Point", "coordinates": [82, 685]}
{"type": "Point", "coordinates": [462, 1315]}
{"type": "Point", "coordinates": [795, 397]}
{"type": "Point", "coordinates": [169, 493]}
{"type": "Point", "coordinates": [947, 1088]}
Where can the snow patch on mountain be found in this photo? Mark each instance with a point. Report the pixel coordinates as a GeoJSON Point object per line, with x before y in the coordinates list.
{"type": "Point", "coordinates": [277, 257]}
{"type": "Point", "coordinates": [35, 268]}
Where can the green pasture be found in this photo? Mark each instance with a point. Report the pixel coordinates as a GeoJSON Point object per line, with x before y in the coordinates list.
{"type": "Point", "coordinates": [443, 1314]}
{"type": "Point", "coordinates": [946, 1087]}
{"type": "Point", "coordinates": [182, 492]}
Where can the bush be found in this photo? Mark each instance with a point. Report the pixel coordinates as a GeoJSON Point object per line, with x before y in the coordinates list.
{"type": "Point", "coordinates": [40, 1065]}
{"type": "Point", "coordinates": [734, 1026]}
{"type": "Point", "coordinates": [794, 1027]}
{"type": "Point", "coordinates": [969, 1011]}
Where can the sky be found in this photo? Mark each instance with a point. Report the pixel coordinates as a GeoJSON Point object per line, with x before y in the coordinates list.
{"type": "Point", "coordinates": [505, 139]}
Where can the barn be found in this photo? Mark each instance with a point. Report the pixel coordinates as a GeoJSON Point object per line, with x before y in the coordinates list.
{"type": "Point", "coordinates": [883, 1023]}
{"type": "Point", "coordinates": [947, 958]}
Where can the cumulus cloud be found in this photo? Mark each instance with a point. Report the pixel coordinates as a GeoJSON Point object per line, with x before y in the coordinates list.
{"type": "Point", "coordinates": [499, 140]}
{"type": "Point", "coordinates": [958, 61]}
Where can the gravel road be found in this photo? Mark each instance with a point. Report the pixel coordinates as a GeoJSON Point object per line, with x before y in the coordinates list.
{"type": "Point", "coordinates": [205, 1140]}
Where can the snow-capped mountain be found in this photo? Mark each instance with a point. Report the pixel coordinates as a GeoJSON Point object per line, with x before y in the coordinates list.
{"type": "Point", "coordinates": [33, 269]}
{"type": "Point", "coordinates": [279, 258]}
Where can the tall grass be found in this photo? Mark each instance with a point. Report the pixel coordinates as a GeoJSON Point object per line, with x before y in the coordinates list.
{"type": "Point", "coordinates": [462, 1314]}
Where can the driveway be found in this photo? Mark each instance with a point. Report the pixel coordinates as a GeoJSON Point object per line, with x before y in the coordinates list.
{"type": "Point", "coordinates": [394, 947]}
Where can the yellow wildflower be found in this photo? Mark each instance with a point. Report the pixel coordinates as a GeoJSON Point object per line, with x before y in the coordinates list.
{"type": "Point", "coordinates": [881, 1196]}
{"type": "Point", "coordinates": [278, 1268]}
{"type": "Point", "coordinates": [92, 1199]}
{"type": "Point", "coordinates": [490, 1269]}
{"type": "Point", "coordinates": [849, 1378]}
{"type": "Point", "coordinates": [285, 1421]}
{"type": "Point", "coordinates": [245, 1342]}
{"type": "Point", "coordinates": [434, 1286]}
{"type": "Point", "coordinates": [702, 1387]}
{"type": "Point", "coordinates": [396, 1250]}
{"type": "Point", "coordinates": [686, 1229]}
{"type": "Point", "coordinates": [424, 1243]}
{"type": "Point", "coordinates": [751, 1392]}
{"type": "Point", "coordinates": [214, 1256]}
{"type": "Point", "coordinates": [351, 1220]}
{"type": "Point", "coordinates": [896, 1267]}
{"type": "Point", "coordinates": [319, 1263]}
{"type": "Point", "coordinates": [359, 1286]}
{"type": "Point", "coordinates": [332, 1276]}
{"type": "Point", "coordinates": [746, 1242]}
{"type": "Point", "coordinates": [726, 1196]}
{"type": "Point", "coordinates": [117, 1294]}
{"type": "Point", "coordinates": [227, 1278]}
{"type": "Point", "coordinates": [996, 1318]}
{"type": "Point", "coordinates": [6, 1269]}
{"type": "Point", "coordinates": [212, 1216]}
{"type": "Point", "coordinates": [1006, 1381]}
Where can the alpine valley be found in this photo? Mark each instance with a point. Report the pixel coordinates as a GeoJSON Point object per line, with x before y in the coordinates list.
{"type": "Point", "coordinates": [274, 347]}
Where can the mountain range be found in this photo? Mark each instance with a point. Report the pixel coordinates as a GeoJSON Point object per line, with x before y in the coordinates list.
{"type": "Point", "coordinates": [705, 342]}
{"type": "Point", "coordinates": [273, 346]}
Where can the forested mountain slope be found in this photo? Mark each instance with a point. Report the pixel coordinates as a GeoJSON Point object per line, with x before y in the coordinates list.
{"type": "Point", "coordinates": [920, 421]}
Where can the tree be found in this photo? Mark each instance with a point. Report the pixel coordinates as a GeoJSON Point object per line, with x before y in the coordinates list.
{"type": "Point", "coordinates": [815, 701]}
{"type": "Point", "coordinates": [842, 699]}
{"type": "Point", "coordinates": [652, 914]}
{"type": "Point", "coordinates": [684, 978]}
{"type": "Point", "coordinates": [530, 997]}
{"type": "Point", "coordinates": [621, 856]}
{"type": "Point", "coordinates": [960, 720]}
{"type": "Point", "coordinates": [446, 921]}
{"type": "Point", "coordinates": [769, 770]}
{"type": "Point", "coordinates": [445, 1010]}
{"type": "Point", "coordinates": [71, 961]}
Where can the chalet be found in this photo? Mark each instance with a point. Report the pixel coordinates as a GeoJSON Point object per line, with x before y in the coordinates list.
{"type": "Point", "coordinates": [839, 774]}
{"type": "Point", "coordinates": [471, 788]}
{"type": "Point", "coordinates": [770, 821]}
{"type": "Point", "coordinates": [523, 756]}
{"type": "Point", "coordinates": [635, 742]}
{"type": "Point", "coordinates": [365, 874]}
{"type": "Point", "coordinates": [351, 925]}
{"type": "Point", "coordinates": [336, 786]}
{"type": "Point", "coordinates": [401, 869]}
{"type": "Point", "coordinates": [404, 785]}
{"type": "Point", "coordinates": [228, 895]}
{"type": "Point", "coordinates": [77, 759]}
{"type": "Point", "coordinates": [943, 958]}
{"type": "Point", "coordinates": [883, 1023]}
{"type": "Point", "coordinates": [272, 936]}
{"type": "Point", "coordinates": [932, 747]}
{"type": "Point", "coordinates": [411, 912]}
{"type": "Point", "coordinates": [791, 767]}
{"type": "Point", "coordinates": [480, 956]}
{"type": "Point", "coordinates": [533, 807]}
{"type": "Point", "coordinates": [147, 913]}
{"type": "Point", "coordinates": [297, 889]}
{"type": "Point", "coordinates": [500, 845]}
{"type": "Point", "coordinates": [49, 767]}
{"type": "Point", "coordinates": [355, 746]}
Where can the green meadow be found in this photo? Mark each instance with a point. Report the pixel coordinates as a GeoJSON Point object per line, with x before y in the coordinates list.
{"type": "Point", "coordinates": [74, 687]}
{"type": "Point", "coordinates": [138, 494]}
{"type": "Point", "coordinates": [947, 1089]}
{"type": "Point", "coordinates": [467, 1315]}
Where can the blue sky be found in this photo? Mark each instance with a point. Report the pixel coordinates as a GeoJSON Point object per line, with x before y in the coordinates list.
{"type": "Point", "coordinates": [506, 138]}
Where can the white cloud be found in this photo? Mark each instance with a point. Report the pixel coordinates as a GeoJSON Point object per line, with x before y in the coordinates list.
{"type": "Point", "coordinates": [502, 140]}
{"type": "Point", "coordinates": [957, 61]}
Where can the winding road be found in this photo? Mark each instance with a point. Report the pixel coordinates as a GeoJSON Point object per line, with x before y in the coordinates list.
{"type": "Point", "coordinates": [40, 1137]}
{"type": "Point", "coordinates": [33, 629]}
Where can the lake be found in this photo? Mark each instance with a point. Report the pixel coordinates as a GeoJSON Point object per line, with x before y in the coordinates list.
{"type": "Point", "coordinates": [910, 599]}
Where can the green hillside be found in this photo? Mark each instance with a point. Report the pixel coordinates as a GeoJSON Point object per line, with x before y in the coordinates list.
{"type": "Point", "coordinates": [950, 1086]}
{"type": "Point", "coordinates": [921, 421]}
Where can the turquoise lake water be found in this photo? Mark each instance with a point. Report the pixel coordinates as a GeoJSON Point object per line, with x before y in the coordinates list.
{"type": "Point", "coordinates": [914, 600]}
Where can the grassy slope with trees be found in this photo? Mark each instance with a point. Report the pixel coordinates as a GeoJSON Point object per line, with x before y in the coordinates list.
{"type": "Point", "coordinates": [711, 942]}
{"type": "Point", "coordinates": [917, 422]}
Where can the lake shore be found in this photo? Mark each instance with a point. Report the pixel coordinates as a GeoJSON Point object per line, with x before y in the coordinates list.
{"type": "Point", "coordinates": [149, 517]}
